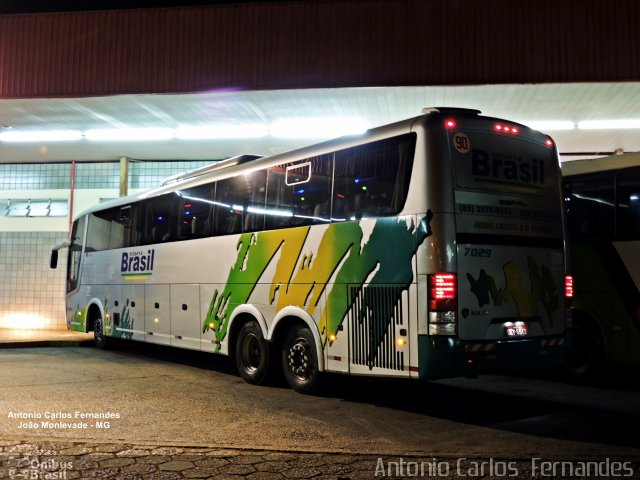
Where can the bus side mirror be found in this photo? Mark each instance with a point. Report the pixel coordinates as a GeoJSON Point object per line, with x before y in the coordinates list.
{"type": "Point", "coordinates": [53, 262]}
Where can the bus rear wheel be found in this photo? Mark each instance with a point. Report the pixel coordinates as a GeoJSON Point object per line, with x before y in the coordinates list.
{"type": "Point", "coordinates": [252, 354]}
{"type": "Point", "coordinates": [300, 360]}
{"type": "Point", "coordinates": [586, 355]}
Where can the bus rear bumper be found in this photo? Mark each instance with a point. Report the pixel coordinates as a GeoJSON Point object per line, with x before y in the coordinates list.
{"type": "Point", "coordinates": [443, 357]}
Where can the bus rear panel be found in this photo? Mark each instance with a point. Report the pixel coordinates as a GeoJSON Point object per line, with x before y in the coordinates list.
{"type": "Point", "coordinates": [497, 301]}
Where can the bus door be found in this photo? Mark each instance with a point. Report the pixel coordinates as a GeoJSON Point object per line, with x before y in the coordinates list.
{"type": "Point", "coordinates": [186, 322]}
{"type": "Point", "coordinates": [131, 323]}
{"type": "Point", "coordinates": [157, 314]}
{"type": "Point", "coordinates": [76, 298]}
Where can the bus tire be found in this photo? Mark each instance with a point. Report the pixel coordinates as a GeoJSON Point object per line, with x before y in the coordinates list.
{"type": "Point", "coordinates": [300, 360]}
{"type": "Point", "coordinates": [100, 340]}
{"type": "Point", "coordinates": [586, 354]}
{"type": "Point", "coordinates": [252, 354]}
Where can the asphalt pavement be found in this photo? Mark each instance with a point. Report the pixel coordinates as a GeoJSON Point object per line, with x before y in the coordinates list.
{"type": "Point", "coordinates": [183, 419]}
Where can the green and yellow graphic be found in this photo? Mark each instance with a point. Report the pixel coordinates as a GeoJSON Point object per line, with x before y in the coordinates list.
{"type": "Point", "coordinates": [125, 324]}
{"type": "Point", "coordinates": [79, 320]}
{"type": "Point", "coordinates": [343, 258]}
{"type": "Point", "coordinates": [526, 292]}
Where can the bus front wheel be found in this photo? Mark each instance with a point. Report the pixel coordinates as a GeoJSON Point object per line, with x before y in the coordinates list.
{"type": "Point", "coordinates": [300, 360]}
{"type": "Point", "coordinates": [252, 354]}
{"type": "Point", "coordinates": [100, 340]}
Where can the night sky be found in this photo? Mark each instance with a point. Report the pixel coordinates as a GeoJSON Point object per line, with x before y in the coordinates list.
{"type": "Point", "coordinates": [33, 6]}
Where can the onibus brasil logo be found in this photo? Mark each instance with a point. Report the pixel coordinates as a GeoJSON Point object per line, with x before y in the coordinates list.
{"type": "Point", "coordinates": [137, 265]}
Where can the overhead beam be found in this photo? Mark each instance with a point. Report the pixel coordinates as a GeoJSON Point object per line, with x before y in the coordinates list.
{"type": "Point", "coordinates": [337, 43]}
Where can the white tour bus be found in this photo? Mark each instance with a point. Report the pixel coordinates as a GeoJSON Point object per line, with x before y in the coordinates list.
{"type": "Point", "coordinates": [429, 248]}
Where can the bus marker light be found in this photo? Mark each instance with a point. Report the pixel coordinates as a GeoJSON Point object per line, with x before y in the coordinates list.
{"type": "Point", "coordinates": [211, 326]}
{"type": "Point", "coordinates": [332, 338]}
{"type": "Point", "coordinates": [498, 127]}
{"type": "Point", "coordinates": [450, 123]}
{"type": "Point", "coordinates": [402, 342]}
{"type": "Point", "coordinates": [156, 320]}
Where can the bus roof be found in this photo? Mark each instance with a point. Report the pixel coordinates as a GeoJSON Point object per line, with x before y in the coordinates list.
{"type": "Point", "coordinates": [211, 173]}
{"type": "Point", "coordinates": [373, 134]}
{"type": "Point", "coordinates": [602, 164]}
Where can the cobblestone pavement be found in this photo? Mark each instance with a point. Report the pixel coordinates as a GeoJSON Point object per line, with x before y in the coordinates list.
{"type": "Point", "coordinates": [79, 460]}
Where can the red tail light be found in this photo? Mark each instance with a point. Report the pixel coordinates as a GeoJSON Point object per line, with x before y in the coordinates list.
{"type": "Point", "coordinates": [442, 291]}
{"type": "Point", "coordinates": [568, 298]}
{"type": "Point", "coordinates": [568, 286]}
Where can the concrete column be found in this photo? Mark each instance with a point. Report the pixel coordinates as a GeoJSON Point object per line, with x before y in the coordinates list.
{"type": "Point", "coordinates": [124, 176]}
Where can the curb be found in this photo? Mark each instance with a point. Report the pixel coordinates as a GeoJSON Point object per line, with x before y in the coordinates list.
{"type": "Point", "coordinates": [45, 344]}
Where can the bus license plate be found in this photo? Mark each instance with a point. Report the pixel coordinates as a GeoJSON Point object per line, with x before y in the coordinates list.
{"type": "Point", "coordinates": [518, 329]}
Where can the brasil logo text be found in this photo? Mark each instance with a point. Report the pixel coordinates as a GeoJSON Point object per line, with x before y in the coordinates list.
{"type": "Point", "coordinates": [137, 265]}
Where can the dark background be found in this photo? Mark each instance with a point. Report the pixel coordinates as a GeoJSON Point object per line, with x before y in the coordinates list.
{"type": "Point", "coordinates": [34, 6]}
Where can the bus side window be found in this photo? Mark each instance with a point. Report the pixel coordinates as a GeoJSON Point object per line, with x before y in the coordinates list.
{"type": "Point", "coordinates": [159, 218]}
{"type": "Point", "coordinates": [628, 205]}
{"type": "Point", "coordinates": [195, 207]}
{"type": "Point", "coordinates": [240, 203]}
{"type": "Point", "coordinates": [99, 231]}
{"type": "Point", "coordinates": [135, 226]}
{"type": "Point", "coordinates": [595, 217]}
{"type": "Point", "coordinates": [122, 232]}
{"type": "Point", "coordinates": [299, 193]}
{"type": "Point", "coordinates": [372, 180]}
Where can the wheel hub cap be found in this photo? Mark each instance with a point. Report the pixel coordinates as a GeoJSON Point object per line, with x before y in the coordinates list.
{"type": "Point", "coordinates": [299, 359]}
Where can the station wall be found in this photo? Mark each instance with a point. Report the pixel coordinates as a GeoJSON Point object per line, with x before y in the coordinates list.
{"type": "Point", "coordinates": [31, 294]}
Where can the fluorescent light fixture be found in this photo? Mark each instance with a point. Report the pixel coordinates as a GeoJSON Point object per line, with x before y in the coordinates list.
{"type": "Point", "coordinates": [550, 125]}
{"type": "Point", "coordinates": [129, 134]}
{"type": "Point", "coordinates": [322, 127]}
{"type": "Point", "coordinates": [41, 136]}
{"type": "Point", "coordinates": [311, 128]}
{"type": "Point", "coordinates": [221, 132]}
{"type": "Point", "coordinates": [609, 124]}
